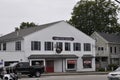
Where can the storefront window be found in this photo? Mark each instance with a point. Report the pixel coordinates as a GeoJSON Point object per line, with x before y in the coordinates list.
{"type": "Point", "coordinates": [37, 62]}
{"type": "Point", "coordinates": [87, 63]}
{"type": "Point", "coordinates": [71, 64]}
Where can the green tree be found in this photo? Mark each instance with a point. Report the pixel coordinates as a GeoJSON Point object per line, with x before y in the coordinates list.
{"type": "Point", "coordinates": [24, 25]}
{"type": "Point", "coordinates": [99, 15]}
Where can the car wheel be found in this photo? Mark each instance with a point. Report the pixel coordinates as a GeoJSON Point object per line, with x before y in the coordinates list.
{"type": "Point", "coordinates": [19, 74]}
{"type": "Point", "coordinates": [37, 74]}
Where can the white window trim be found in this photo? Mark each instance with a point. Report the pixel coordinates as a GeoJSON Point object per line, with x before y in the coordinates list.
{"type": "Point", "coordinates": [67, 66]}
{"type": "Point", "coordinates": [36, 60]}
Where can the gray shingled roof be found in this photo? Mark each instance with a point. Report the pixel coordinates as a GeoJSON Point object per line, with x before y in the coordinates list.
{"type": "Point", "coordinates": [110, 37]}
{"type": "Point", "coordinates": [18, 35]}
{"type": "Point", "coordinates": [52, 56]}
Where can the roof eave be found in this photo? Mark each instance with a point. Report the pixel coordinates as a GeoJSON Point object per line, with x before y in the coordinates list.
{"type": "Point", "coordinates": [12, 39]}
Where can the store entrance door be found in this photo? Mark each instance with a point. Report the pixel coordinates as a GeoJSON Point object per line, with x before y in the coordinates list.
{"type": "Point", "coordinates": [50, 66]}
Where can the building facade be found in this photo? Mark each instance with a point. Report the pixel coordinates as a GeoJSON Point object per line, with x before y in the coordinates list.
{"type": "Point", "coordinates": [107, 49]}
{"type": "Point", "coordinates": [58, 46]}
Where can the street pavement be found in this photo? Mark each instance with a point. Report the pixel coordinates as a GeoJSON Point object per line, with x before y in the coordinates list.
{"type": "Point", "coordinates": [70, 77]}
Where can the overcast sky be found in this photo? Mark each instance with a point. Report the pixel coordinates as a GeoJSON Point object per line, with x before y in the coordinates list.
{"type": "Point", "coordinates": [13, 12]}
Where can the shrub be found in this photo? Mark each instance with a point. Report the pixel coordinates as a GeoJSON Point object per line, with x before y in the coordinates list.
{"type": "Point", "coordinates": [100, 69]}
{"type": "Point", "coordinates": [112, 66]}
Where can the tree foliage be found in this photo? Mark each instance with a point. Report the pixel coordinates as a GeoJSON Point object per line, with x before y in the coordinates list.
{"type": "Point", "coordinates": [98, 15]}
{"type": "Point", "coordinates": [24, 25]}
{"type": "Point", "coordinates": [118, 1]}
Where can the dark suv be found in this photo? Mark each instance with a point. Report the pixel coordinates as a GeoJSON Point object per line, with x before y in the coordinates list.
{"type": "Point", "coordinates": [24, 68]}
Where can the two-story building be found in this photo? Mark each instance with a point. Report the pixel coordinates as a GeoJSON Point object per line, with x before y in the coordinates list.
{"type": "Point", "coordinates": [107, 48]}
{"type": "Point", "coordinates": [58, 46]}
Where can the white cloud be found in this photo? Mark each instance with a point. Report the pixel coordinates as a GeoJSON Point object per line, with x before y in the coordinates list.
{"type": "Point", "coordinates": [13, 12]}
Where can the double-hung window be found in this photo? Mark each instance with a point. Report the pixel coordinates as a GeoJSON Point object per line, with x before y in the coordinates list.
{"type": "Point", "coordinates": [0, 47]}
{"type": "Point", "coordinates": [59, 45]}
{"type": "Point", "coordinates": [87, 47]}
{"type": "Point", "coordinates": [111, 50]}
{"type": "Point", "coordinates": [76, 46]}
{"type": "Point", "coordinates": [4, 46]}
{"type": "Point", "coordinates": [36, 45]}
{"type": "Point", "coordinates": [115, 50]}
{"type": "Point", "coordinates": [67, 46]}
{"type": "Point", "coordinates": [18, 46]}
{"type": "Point", "coordinates": [48, 46]}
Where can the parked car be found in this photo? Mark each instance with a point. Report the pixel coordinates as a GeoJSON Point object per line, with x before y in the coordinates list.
{"type": "Point", "coordinates": [24, 68]}
{"type": "Point", "coordinates": [114, 75]}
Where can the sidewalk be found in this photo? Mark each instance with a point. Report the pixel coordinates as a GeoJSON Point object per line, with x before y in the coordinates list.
{"type": "Point", "coordinates": [74, 73]}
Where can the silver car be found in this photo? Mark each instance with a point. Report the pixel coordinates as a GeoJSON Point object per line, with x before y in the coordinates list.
{"type": "Point", "coordinates": [115, 75]}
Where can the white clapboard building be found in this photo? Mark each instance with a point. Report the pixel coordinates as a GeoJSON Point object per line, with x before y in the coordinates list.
{"type": "Point", "coordinates": [58, 46]}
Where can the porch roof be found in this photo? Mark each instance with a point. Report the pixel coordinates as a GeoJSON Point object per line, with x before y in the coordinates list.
{"type": "Point", "coordinates": [52, 56]}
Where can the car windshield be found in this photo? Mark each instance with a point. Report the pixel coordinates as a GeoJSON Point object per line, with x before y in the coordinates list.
{"type": "Point", "coordinates": [118, 69]}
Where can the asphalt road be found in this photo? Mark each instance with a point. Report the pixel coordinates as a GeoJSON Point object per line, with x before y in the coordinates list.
{"type": "Point", "coordinates": [70, 77]}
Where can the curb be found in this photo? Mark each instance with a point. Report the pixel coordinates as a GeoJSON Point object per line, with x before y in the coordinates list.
{"type": "Point", "coordinates": [74, 73]}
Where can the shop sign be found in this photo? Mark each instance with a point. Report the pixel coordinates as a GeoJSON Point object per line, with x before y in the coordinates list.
{"type": "Point", "coordinates": [63, 38]}
{"type": "Point", "coordinates": [71, 61]}
{"type": "Point", "coordinates": [87, 62]}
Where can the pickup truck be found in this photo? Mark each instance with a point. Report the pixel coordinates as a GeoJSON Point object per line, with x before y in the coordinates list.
{"type": "Point", "coordinates": [24, 68]}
